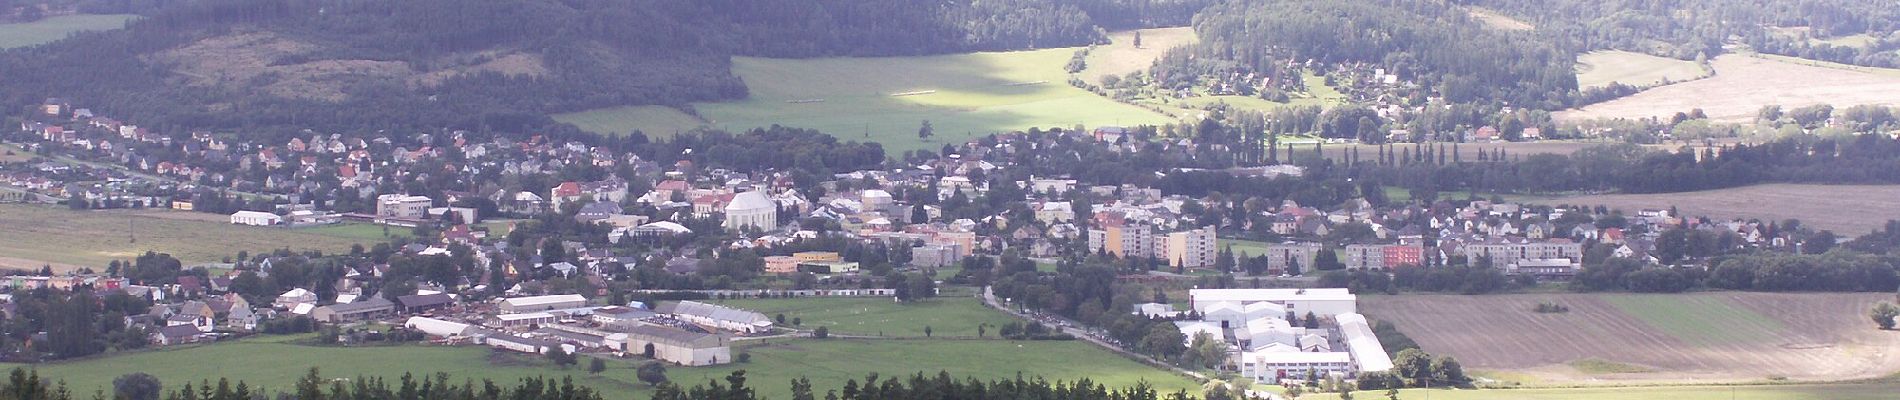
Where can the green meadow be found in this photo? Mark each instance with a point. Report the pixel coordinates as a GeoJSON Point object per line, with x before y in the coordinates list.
{"type": "Point", "coordinates": [887, 99]}
{"type": "Point", "coordinates": [55, 28]}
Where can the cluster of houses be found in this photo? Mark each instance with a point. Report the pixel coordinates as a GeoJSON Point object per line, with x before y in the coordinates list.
{"type": "Point", "coordinates": [1274, 335]}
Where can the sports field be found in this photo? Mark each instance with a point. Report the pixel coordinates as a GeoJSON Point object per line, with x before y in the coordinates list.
{"type": "Point", "coordinates": [872, 316]}
{"type": "Point", "coordinates": [35, 234]}
{"type": "Point", "coordinates": [1845, 209]}
{"type": "Point", "coordinates": [1699, 337]}
{"type": "Point", "coordinates": [56, 28]}
{"type": "Point", "coordinates": [654, 121]}
{"type": "Point", "coordinates": [1601, 68]}
{"type": "Point", "coordinates": [828, 363]}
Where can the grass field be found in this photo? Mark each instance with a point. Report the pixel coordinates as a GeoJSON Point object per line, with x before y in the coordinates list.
{"type": "Point", "coordinates": [956, 316]}
{"type": "Point", "coordinates": [367, 234]}
{"type": "Point", "coordinates": [1845, 209]}
{"type": "Point", "coordinates": [1699, 337]}
{"type": "Point", "coordinates": [10, 153]}
{"type": "Point", "coordinates": [654, 121]}
{"type": "Point", "coordinates": [56, 28]}
{"type": "Point", "coordinates": [1841, 391]}
{"type": "Point", "coordinates": [1744, 83]}
{"type": "Point", "coordinates": [963, 95]}
{"type": "Point", "coordinates": [826, 362]}
{"type": "Point", "coordinates": [1601, 68]}
{"type": "Point", "coordinates": [34, 234]}
{"type": "Point", "coordinates": [1121, 57]}
{"type": "Point", "coordinates": [1498, 21]}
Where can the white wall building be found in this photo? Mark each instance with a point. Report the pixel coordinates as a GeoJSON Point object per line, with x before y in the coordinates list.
{"type": "Point", "coordinates": [530, 304]}
{"type": "Point", "coordinates": [1323, 302]}
{"type": "Point", "coordinates": [255, 218]}
{"type": "Point", "coordinates": [751, 209]}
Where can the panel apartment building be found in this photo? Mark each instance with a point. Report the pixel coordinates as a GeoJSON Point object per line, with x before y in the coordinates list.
{"type": "Point", "coordinates": [1188, 248]}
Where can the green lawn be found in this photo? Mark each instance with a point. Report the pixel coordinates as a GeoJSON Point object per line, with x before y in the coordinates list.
{"type": "Point", "coordinates": [654, 121]}
{"type": "Point", "coordinates": [56, 28]}
{"type": "Point", "coordinates": [1702, 320]}
{"type": "Point", "coordinates": [275, 365]}
{"type": "Point", "coordinates": [1600, 68]}
{"type": "Point", "coordinates": [957, 316]}
{"type": "Point", "coordinates": [17, 154]}
{"type": "Point", "coordinates": [1841, 391]}
{"type": "Point", "coordinates": [66, 238]}
{"type": "Point", "coordinates": [365, 233]}
{"type": "Point", "coordinates": [828, 363]}
{"type": "Point", "coordinates": [963, 95]}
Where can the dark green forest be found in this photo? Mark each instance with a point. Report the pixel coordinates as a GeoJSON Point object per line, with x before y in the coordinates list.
{"type": "Point", "coordinates": [596, 53]}
{"type": "Point", "coordinates": [1686, 29]}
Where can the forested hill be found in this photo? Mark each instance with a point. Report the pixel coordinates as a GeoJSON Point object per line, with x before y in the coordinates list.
{"type": "Point", "coordinates": [1434, 43]}
{"type": "Point", "coordinates": [275, 67]}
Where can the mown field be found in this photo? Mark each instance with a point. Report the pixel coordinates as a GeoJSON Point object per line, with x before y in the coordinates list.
{"type": "Point", "coordinates": [1121, 56]}
{"type": "Point", "coordinates": [1849, 210]}
{"type": "Point", "coordinates": [887, 99]}
{"type": "Point", "coordinates": [1700, 337]}
{"type": "Point", "coordinates": [32, 235]}
{"type": "Point", "coordinates": [1601, 68]}
{"type": "Point", "coordinates": [874, 316]}
{"type": "Point", "coordinates": [365, 233]}
{"type": "Point", "coordinates": [56, 28]}
{"type": "Point", "coordinates": [1744, 83]}
{"type": "Point", "coordinates": [275, 365]}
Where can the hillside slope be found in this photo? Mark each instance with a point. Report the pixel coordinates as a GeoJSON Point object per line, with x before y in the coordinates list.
{"type": "Point", "coordinates": [274, 67]}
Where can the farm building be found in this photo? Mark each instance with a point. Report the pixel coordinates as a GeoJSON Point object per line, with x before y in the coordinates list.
{"type": "Point", "coordinates": [679, 346]}
{"type": "Point", "coordinates": [717, 316]}
{"type": "Point", "coordinates": [583, 337]}
{"type": "Point", "coordinates": [618, 314]}
{"type": "Point", "coordinates": [424, 302]}
{"type": "Point", "coordinates": [375, 307]}
{"type": "Point", "coordinates": [436, 327]}
{"type": "Point", "coordinates": [541, 303]}
{"type": "Point", "coordinates": [255, 218]}
{"type": "Point", "coordinates": [526, 345]}
{"type": "Point", "coordinates": [291, 298]}
{"type": "Point", "coordinates": [525, 319]}
{"type": "Point", "coordinates": [1323, 302]}
{"type": "Point", "coordinates": [177, 334]}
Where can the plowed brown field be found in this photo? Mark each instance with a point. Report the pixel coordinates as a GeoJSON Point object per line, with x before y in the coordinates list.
{"type": "Point", "coordinates": [1725, 336]}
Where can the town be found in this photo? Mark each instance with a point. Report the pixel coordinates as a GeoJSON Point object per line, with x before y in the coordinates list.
{"type": "Point", "coordinates": [621, 265]}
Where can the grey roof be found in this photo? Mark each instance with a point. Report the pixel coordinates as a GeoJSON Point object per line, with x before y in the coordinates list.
{"type": "Point", "coordinates": [674, 336]}
{"type": "Point", "coordinates": [425, 300]}
{"type": "Point", "coordinates": [178, 331]}
{"type": "Point", "coordinates": [377, 303]}
{"type": "Point", "coordinates": [713, 311]}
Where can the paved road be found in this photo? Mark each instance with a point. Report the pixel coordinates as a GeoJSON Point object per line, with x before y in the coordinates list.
{"type": "Point", "coordinates": [1074, 329]}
